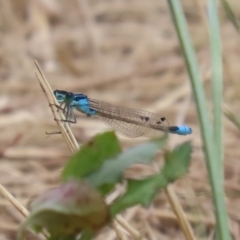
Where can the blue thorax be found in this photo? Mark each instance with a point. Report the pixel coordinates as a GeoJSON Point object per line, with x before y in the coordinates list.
{"type": "Point", "coordinates": [81, 103]}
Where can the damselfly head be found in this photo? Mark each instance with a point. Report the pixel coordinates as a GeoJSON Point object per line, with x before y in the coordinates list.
{"type": "Point", "coordinates": [63, 96]}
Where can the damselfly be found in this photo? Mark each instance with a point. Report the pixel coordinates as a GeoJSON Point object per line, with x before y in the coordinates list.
{"type": "Point", "coordinates": [129, 122]}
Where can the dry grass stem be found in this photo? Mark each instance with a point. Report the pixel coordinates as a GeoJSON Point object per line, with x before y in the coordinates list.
{"type": "Point", "coordinates": [14, 201]}
{"type": "Point", "coordinates": [58, 115]}
{"type": "Point", "coordinates": [20, 208]}
{"type": "Point", "coordinates": [181, 216]}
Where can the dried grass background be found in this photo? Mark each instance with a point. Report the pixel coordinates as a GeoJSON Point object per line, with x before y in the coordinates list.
{"type": "Point", "coordinates": [125, 53]}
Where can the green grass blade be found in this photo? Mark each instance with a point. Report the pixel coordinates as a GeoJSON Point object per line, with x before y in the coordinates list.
{"type": "Point", "coordinates": [217, 84]}
{"type": "Point", "coordinates": [230, 14]}
{"type": "Point", "coordinates": [232, 118]}
{"type": "Point", "coordinates": [205, 124]}
{"type": "Point", "coordinates": [192, 67]}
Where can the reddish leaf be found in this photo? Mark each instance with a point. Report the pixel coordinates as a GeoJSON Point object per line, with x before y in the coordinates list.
{"type": "Point", "coordinates": [68, 209]}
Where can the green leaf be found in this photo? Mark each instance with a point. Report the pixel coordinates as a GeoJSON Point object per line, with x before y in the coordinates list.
{"type": "Point", "coordinates": [177, 161]}
{"type": "Point", "coordinates": [112, 171]}
{"type": "Point", "coordinates": [91, 156]}
{"type": "Point", "coordinates": [143, 191]}
{"type": "Point", "coordinates": [67, 210]}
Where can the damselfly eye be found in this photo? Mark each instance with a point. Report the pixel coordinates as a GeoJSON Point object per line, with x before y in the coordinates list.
{"type": "Point", "coordinates": [60, 97]}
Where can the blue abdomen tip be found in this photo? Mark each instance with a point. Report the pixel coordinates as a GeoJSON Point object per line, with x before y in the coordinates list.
{"type": "Point", "coordinates": [184, 130]}
{"type": "Point", "coordinates": [180, 130]}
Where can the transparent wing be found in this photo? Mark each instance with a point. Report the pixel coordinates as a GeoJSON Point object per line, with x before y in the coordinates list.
{"type": "Point", "coordinates": [130, 122]}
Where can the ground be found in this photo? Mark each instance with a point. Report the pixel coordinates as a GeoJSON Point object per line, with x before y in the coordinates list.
{"type": "Point", "coordinates": [125, 53]}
